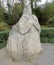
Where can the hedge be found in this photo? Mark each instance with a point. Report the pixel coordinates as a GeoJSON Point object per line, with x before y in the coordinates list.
{"type": "Point", "coordinates": [3, 38]}
{"type": "Point", "coordinates": [47, 36]}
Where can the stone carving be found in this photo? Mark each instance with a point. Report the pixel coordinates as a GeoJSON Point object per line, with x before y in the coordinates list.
{"type": "Point", "coordinates": [24, 38]}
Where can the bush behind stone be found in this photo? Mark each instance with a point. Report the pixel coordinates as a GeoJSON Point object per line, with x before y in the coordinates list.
{"type": "Point", "coordinates": [47, 36]}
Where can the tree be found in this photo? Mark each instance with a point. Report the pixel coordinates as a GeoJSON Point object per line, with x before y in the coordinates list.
{"type": "Point", "coordinates": [41, 14]}
{"type": "Point", "coordinates": [0, 3]}
{"type": "Point", "coordinates": [49, 9]}
{"type": "Point", "coordinates": [10, 5]}
{"type": "Point", "coordinates": [2, 11]}
{"type": "Point", "coordinates": [32, 4]}
{"type": "Point", "coordinates": [34, 1]}
{"type": "Point", "coordinates": [22, 2]}
{"type": "Point", "coordinates": [13, 18]}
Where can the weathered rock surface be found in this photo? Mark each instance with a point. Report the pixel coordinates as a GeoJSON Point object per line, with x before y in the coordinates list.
{"type": "Point", "coordinates": [24, 38]}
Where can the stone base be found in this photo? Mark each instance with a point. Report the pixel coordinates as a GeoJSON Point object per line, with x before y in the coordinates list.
{"type": "Point", "coordinates": [46, 58]}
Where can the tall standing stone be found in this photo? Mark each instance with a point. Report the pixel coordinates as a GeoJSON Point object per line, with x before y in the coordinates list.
{"type": "Point", "coordinates": [24, 38]}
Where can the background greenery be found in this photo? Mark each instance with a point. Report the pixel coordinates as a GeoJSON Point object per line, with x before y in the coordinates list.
{"type": "Point", "coordinates": [11, 17]}
{"type": "Point", "coordinates": [47, 36]}
{"type": "Point", "coordinates": [45, 15]}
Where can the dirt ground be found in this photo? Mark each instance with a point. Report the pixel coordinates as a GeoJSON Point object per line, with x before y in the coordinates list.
{"type": "Point", "coordinates": [46, 58]}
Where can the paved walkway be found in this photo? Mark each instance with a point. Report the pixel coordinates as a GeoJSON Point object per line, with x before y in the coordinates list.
{"type": "Point", "coordinates": [46, 58]}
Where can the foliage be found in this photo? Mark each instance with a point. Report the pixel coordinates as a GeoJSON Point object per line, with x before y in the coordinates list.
{"type": "Point", "coordinates": [2, 11]}
{"type": "Point", "coordinates": [34, 1]}
{"type": "Point", "coordinates": [44, 15]}
{"type": "Point", "coordinates": [4, 26]}
{"type": "Point", "coordinates": [49, 9]}
{"type": "Point", "coordinates": [46, 32]}
{"type": "Point", "coordinates": [17, 11]}
{"type": "Point", "coordinates": [3, 38]}
{"type": "Point", "coordinates": [47, 36]}
{"type": "Point", "coordinates": [44, 39]}
{"type": "Point", "coordinates": [41, 14]}
{"type": "Point", "coordinates": [13, 18]}
{"type": "Point", "coordinates": [51, 22]}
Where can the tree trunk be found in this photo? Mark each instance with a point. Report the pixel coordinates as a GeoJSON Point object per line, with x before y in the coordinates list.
{"type": "Point", "coordinates": [9, 7]}
{"type": "Point", "coordinates": [22, 5]}
{"type": "Point", "coordinates": [35, 5]}
{"type": "Point", "coordinates": [32, 4]}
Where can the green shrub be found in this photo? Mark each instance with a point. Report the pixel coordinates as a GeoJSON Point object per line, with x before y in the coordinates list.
{"type": "Point", "coordinates": [3, 38]}
{"type": "Point", "coordinates": [41, 14]}
{"type": "Point", "coordinates": [13, 18]}
{"type": "Point", "coordinates": [47, 32]}
{"type": "Point", "coordinates": [49, 9]}
{"type": "Point", "coordinates": [4, 26]}
{"type": "Point", "coordinates": [50, 22]}
{"type": "Point", "coordinates": [2, 11]}
{"type": "Point", "coordinates": [51, 40]}
{"type": "Point", "coordinates": [44, 39]}
{"type": "Point", "coordinates": [47, 36]}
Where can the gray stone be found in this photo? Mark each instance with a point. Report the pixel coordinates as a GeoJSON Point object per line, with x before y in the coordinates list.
{"type": "Point", "coordinates": [24, 38]}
